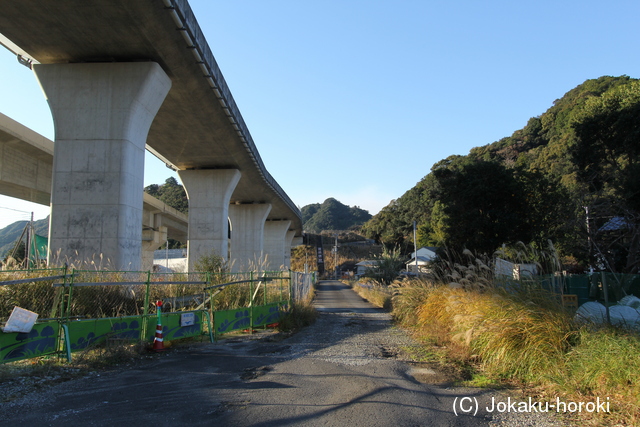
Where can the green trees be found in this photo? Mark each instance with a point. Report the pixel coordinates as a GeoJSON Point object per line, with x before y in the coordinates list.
{"type": "Point", "coordinates": [481, 206]}
{"type": "Point", "coordinates": [332, 215]}
{"type": "Point", "coordinates": [171, 193]}
{"type": "Point", "coordinates": [387, 267]}
{"type": "Point", "coordinates": [607, 144]}
{"type": "Point", "coordinates": [534, 186]}
{"type": "Point", "coordinates": [606, 153]}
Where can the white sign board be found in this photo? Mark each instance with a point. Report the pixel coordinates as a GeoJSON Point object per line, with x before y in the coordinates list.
{"type": "Point", "coordinates": [21, 320]}
{"type": "Point", "coordinates": [187, 319]}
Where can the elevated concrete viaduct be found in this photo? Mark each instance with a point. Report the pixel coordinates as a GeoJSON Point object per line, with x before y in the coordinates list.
{"type": "Point", "coordinates": [125, 73]}
{"type": "Point", "coordinates": [26, 163]}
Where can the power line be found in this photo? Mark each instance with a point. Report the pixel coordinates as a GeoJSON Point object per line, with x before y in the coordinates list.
{"type": "Point", "coordinates": [15, 210]}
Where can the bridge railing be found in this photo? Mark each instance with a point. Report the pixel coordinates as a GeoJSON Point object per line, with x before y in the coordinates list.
{"type": "Point", "coordinates": [78, 309]}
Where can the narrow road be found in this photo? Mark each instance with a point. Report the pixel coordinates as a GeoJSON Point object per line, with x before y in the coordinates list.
{"type": "Point", "coordinates": [344, 370]}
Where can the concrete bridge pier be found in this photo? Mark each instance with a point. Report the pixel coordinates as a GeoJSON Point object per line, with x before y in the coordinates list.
{"type": "Point", "coordinates": [153, 236]}
{"type": "Point", "coordinates": [288, 243]}
{"type": "Point", "coordinates": [247, 235]}
{"type": "Point", "coordinates": [275, 236]}
{"type": "Point", "coordinates": [209, 192]}
{"type": "Point", "coordinates": [102, 113]}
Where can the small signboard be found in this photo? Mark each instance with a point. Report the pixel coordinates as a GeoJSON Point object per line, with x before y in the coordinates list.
{"type": "Point", "coordinates": [21, 320]}
{"type": "Point", "coordinates": [187, 319]}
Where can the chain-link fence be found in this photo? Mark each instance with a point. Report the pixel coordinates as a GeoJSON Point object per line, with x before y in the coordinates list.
{"type": "Point", "coordinates": [599, 286]}
{"type": "Point", "coordinates": [32, 290]}
{"type": "Point", "coordinates": [302, 285]}
{"type": "Point", "coordinates": [57, 293]}
{"type": "Point", "coordinates": [92, 306]}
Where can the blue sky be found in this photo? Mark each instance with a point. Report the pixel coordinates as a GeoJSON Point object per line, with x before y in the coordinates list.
{"type": "Point", "coordinates": [356, 99]}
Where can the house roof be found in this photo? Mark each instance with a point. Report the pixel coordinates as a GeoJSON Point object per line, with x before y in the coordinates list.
{"type": "Point", "coordinates": [614, 224]}
{"type": "Point", "coordinates": [367, 263]}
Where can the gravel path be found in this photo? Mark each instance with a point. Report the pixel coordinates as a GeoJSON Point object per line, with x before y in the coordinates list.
{"type": "Point", "coordinates": [348, 368]}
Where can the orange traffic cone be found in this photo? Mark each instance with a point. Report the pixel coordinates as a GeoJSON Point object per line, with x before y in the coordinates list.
{"type": "Point", "coordinates": [158, 344]}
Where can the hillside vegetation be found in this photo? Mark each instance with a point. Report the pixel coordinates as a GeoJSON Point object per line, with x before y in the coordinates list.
{"type": "Point", "coordinates": [570, 176]}
{"type": "Point", "coordinates": [332, 215]}
{"type": "Point", "coordinates": [12, 232]}
{"type": "Point", "coordinates": [171, 193]}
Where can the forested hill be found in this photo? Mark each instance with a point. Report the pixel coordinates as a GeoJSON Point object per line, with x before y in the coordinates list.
{"type": "Point", "coordinates": [171, 193]}
{"type": "Point", "coordinates": [582, 155]}
{"type": "Point", "coordinates": [12, 232]}
{"type": "Point", "coordinates": [332, 215]}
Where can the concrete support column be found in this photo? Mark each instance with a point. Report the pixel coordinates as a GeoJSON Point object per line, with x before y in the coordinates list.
{"type": "Point", "coordinates": [102, 113]}
{"type": "Point", "coordinates": [288, 241]}
{"type": "Point", "coordinates": [154, 235]}
{"type": "Point", "coordinates": [275, 234]}
{"type": "Point", "coordinates": [247, 235]}
{"type": "Point", "coordinates": [209, 192]}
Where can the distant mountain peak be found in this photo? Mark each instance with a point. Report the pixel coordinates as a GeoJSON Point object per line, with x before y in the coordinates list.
{"type": "Point", "coordinates": [332, 215]}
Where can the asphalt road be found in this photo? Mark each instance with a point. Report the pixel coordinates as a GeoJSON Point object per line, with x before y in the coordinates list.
{"type": "Point", "coordinates": [346, 369]}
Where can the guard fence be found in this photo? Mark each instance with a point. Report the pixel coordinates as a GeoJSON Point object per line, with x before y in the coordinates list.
{"type": "Point", "coordinates": [77, 309]}
{"type": "Point", "coordinates": [607, 288]}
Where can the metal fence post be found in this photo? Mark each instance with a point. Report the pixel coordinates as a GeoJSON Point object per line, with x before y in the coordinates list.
{"type": "Point", "coordinates": [145, 312]}
{"type": "Point", "coordinates": [291, 296]}
{"type": "Point", "coordinates": [606, 296]}
{"type": "Point", "coordinates": [251, 302]}
{"type": "Point", "coordinates": [67, 311]}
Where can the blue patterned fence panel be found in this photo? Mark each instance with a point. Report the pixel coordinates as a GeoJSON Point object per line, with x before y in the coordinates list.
{"type": "Point", "coordinates": [86, 333]}
{"type": "Point", "coordinates": [268, 314]}
{"type": "Point", "coordinates": [231, 320]}
{"type": "Point", "coordinates": [41, 340]}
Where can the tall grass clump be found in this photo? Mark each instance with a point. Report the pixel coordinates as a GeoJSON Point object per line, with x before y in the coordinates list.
{"type": "Point", "coordinates": [300, 314]}
{"type": "Point", "coordinates": [520, 334]}
{"type": "Point", "coordinates": [39, 297]}
{"type": "Point", "coordinates": [376, 294]}
{"type": "Point", "coordinates": [605, 362]}
{"type": "Point", "coordinates": [408, 296]}
{"type": "Point", "coordinates": [518, 339]}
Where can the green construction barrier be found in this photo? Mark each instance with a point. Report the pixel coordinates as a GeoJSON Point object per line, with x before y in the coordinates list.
{"type": "Point", "coordinates": [41, 340]}
{"type": "Point", "coordinates": [245, 318]}
{"type": "Point", "coordinates": [231, 320]}
{"type": "Point", "coordinates": [176, 325]}
{"type": "Point", "coordinates": [268, 314]}
{"type": "Point", "coordinates": [85, 333]}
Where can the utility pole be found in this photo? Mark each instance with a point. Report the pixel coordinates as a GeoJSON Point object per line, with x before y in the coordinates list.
{"type": "Point", "coordinates": [29, 242]}
{"type": "Point", "coordinates": [335, 256]}
{"type": "Point", "coordinates": [415, 246]}
{"type": "Point", "coordinates": [589, 243]}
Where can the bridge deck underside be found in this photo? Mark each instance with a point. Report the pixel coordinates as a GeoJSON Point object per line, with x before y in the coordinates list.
{"type": "Point", "coordinates": [192, 130]}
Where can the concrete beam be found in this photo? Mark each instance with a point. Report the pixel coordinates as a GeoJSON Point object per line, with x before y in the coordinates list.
{"type": "Point", "coordinates": [209, 192]}
{"type": "Point", "coordinates": [175, 221]}
{"type": "Point", "coordinates": [102, 113]}
{"type": "Point", "coordinates": [247, 235]}
{"type": "Point", "coordinates": [25, 162]}
{"type": "Point", "coordinates": [275, 233]}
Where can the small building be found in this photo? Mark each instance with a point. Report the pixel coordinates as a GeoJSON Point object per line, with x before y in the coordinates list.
{"type": "Point", "coordinates": [420, 260]}
{"type": "Point", "coordinates": [363, 266]}
{"type": "Point", "coordinates": [515, 271]}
